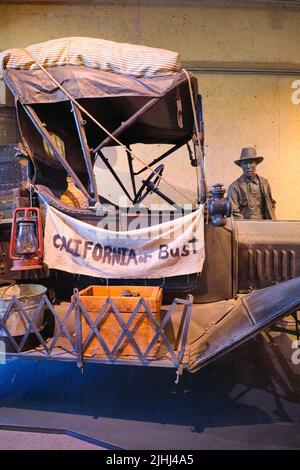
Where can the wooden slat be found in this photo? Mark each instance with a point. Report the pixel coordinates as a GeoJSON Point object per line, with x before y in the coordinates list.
{"type": "Point", "coordinates": [8, 126]}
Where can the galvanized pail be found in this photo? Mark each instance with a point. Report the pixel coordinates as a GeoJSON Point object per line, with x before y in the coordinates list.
{"type": "Point", "coordinates": [29, 295]}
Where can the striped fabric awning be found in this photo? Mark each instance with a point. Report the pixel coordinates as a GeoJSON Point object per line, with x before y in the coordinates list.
{"type": "Point", "coordinates": [121, 58]}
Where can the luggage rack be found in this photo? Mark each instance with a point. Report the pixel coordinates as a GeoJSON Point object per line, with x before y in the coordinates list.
{"type": "Point", "coordinates": [65, 346]}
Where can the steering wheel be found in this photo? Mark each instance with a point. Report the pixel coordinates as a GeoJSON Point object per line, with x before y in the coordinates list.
{"type": "Point", "coordinates": [152, 182]}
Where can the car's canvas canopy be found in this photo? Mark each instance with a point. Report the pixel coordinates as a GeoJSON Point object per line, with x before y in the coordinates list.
{"type": "Point", "coordinates": [89, 68]}
{"type": "Point", "coordinates": [94, 68]}
{"type": "Point", "coordinates": [139, 94]}
{"type": "Point", "coordinates": [109, 56]}
{"type": "Point", "coordinates": [83, 82]}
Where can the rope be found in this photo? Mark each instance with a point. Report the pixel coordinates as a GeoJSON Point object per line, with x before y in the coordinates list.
{"type": "Point", "coordinates": [197, 182]}
{"type": "Point", "coordinates": [79, 106]}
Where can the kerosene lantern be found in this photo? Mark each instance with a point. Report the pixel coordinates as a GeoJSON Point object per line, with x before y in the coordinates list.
{"type": "Point", "coordinates": [26, 243]}
{"type": "Point", "coordinates": [219, 207]}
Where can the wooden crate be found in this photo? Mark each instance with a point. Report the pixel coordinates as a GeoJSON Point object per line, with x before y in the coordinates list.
{"type": "Point", "coordinates": [94, 297]}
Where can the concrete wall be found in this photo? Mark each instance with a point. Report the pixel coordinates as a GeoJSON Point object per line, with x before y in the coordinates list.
{"type": "Point", "coordinates": [240, 109]}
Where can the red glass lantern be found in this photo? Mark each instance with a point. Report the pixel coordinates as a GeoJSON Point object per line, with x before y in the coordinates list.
{"type": "Point", "coordinates": [26, 243]}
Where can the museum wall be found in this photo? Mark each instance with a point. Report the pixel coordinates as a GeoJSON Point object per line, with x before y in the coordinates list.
{"type": "Point", "coordinates": [241, 109]}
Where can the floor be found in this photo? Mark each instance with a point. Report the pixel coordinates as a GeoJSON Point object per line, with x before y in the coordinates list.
{"type": "Point", "coordinates": [249, 399]}
{"type": "Point", "coordinates": [21, 440]}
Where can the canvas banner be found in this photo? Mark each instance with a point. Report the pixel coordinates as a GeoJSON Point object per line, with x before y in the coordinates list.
{"type": "Point", "coordinates": [168, 249]}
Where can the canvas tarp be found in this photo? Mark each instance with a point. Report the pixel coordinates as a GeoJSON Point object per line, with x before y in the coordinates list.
{"type": "Point", "coordinates": [81, 82]}
{"type": "Point", "coordinates": [109, 56]}
{"type": "Point", "coordinates": [164, 250]}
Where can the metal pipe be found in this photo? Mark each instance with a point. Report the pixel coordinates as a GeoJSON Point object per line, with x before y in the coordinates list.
{"type": "Point", "coordinates": [132, 176]}
{"type": "Point", "coordinates": [229, 3]}
{"type": "Point", "coordinates": [243, 71]}
{"type": "Point", "coordinates": [125, 125]}
{"type": "Point", "coordinates": [85, 150]}
{"type": "Point", "coordinates": [106, 161]}
{"type": "Point", "coordinates": [46, 136]}
{"type": "Point", "coordinates": [161, 157]}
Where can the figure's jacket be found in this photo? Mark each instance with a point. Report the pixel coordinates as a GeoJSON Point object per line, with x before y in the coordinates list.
{"type": "Point", "coordinates": [237, 192]}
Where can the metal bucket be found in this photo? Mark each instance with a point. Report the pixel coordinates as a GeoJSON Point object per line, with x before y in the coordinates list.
{"type": "Point", "coordinates": [29, 295]}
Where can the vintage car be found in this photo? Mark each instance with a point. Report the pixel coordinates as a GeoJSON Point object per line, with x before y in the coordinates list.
{"type": "Point", "coordinates": [77, 97]}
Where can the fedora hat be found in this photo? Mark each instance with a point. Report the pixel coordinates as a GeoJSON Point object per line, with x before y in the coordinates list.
{"type": "Point", "coordinates": [248, 153]}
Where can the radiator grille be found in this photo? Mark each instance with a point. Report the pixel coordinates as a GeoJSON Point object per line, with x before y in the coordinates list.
{"type": "Point", "coordinates": [267, 265]}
